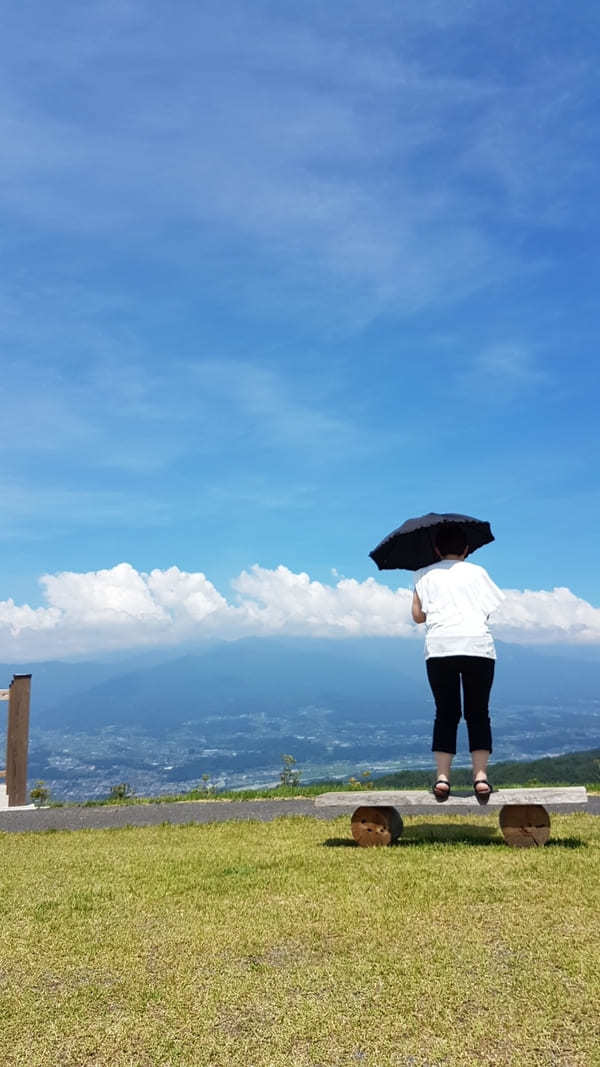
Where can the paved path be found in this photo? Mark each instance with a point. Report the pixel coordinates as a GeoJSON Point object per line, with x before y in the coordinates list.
{"type": "Point", "coordinates": [101, 818]}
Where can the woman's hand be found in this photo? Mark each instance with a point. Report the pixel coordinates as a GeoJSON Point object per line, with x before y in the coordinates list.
{"type": "Point", "coordinates": [417, 609]}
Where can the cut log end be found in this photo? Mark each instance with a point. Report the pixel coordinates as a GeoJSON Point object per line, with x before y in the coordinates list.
{"type": "Point", "coordinates": [525, 825]}
{"type": "Point", "coordinates": [376, 826]}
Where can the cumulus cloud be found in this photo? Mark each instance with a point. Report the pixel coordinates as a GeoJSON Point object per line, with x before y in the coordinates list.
{"type": "Point", "coordinates": [547, 617]}
{"type": "Point", "coordinates": [276, 601]}
{"type": "Point", "coordinates": [120, 608]}
{"type": "Point", "coordinates": [106, 610]}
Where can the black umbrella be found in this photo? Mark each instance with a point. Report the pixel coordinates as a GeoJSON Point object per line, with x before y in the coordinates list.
{"type": "Point", "coordinates": [412, 545]}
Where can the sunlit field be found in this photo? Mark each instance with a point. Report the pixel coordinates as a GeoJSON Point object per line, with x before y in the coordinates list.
{"type": "Point", "coordinates": [282, 944]}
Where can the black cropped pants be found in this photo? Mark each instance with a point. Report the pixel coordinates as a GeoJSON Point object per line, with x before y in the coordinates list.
{"type": "Point", "coordinates": [445, 674]}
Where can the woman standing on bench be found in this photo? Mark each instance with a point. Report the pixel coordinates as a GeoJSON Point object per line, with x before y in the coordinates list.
{"type": "Point", "coordinates": [455, 599]}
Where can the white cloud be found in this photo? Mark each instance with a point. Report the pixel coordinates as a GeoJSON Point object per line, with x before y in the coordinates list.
{"type": "Point", "coordinates": [547, 617]}
{"type": "Point", "coordinates": [116, 597]}
{"type": "Point", "coordinates": [510, 363]}
{"type": "Point", "coordinates": [502, 371]}
{"type": "Point", "coordinates": [100, 611]}
{"type": "Point", "coordinates": [264, 402]}
{"type": "Point", "coordinates": [281, 601]}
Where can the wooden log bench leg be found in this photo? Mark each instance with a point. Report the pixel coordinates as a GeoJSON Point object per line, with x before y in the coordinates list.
{"type": "Point", "coordinates": [376, 826]}
{"type": "Point", "coordinates": [525, 825]}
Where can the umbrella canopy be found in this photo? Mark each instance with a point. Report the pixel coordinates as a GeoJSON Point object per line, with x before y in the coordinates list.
{"type": "Point", "coordinates": [412, 545]}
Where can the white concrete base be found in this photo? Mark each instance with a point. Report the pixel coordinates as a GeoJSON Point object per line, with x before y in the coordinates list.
{"type": "Point", "coordinates": [4, 802]}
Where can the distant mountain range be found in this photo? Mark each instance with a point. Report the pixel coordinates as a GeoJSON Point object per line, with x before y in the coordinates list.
{"type": "Point", "coordinates": [353, 677]}
{"type": "Point", "coordinates": [162, 720]}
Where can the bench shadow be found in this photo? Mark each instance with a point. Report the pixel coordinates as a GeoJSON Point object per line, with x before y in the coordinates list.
{"type": "Point", "coordinates": [473, 835]}
{"type": "Point", "coordinates": [566, 842]}
{"type": "Point", "coordinates": [419, 833]}
{"type": "Point", "coordinates": [424, 833]}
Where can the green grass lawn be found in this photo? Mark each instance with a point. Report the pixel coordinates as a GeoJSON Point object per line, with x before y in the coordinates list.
{"type": "Point", "coordinates": [282, 944]}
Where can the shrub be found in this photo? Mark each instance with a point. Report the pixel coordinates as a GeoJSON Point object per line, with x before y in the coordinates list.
{"type": "Point", "coordinates": [355, 783]}
{"type": "Point", "coordinates": [207, 785]}
{"type": "Point", "coordinates": [40, 794]}
{"type": "Point", "coordinates": [122, 791]}
{"type": "Point", "coordinates": [289, 774]}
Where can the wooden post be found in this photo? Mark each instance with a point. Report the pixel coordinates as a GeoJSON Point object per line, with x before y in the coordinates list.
{"type": "Point", "coordinates": [17, 740]}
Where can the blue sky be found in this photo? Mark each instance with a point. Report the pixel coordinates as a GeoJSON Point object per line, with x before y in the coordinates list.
{"type": "Point", "coordinates": [277, 277]}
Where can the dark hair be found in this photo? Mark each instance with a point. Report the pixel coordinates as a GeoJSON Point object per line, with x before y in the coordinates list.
{"type": "Point", "coordinates": [450, 539]}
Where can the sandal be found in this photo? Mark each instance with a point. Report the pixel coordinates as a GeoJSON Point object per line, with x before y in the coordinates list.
{"type": "Point", "coordinates": [441, 797]}
{"type": "Point", "coordinates": [489, 789]}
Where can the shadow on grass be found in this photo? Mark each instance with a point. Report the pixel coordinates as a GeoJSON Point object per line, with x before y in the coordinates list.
{"type": "Point", "coordinates": [566, 842]}
{"type": "Point", "coordinates": [425, 834]}
{"type": "Point", "coordinates": [421, 834]}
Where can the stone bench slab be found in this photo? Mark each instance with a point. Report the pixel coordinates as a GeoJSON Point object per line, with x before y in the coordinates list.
{"type": "Point", "coordinates": [572, 796]}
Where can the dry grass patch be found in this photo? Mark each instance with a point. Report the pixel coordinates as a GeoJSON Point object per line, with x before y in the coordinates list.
{"type": "Point", "coordinates": [282, 945]}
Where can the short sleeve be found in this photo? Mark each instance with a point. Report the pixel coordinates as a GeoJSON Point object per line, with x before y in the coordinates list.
{"type": "Point", "coordinates": [421, 591]}
{"type": "Point", "coordinates": [491, 595]}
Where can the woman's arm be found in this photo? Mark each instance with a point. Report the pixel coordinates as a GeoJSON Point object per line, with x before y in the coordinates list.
{"type": "Point", "coordinates": [417, 609]}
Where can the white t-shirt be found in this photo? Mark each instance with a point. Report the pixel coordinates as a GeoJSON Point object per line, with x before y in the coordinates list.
{"type": "Point", "coordinates": [457, 598]}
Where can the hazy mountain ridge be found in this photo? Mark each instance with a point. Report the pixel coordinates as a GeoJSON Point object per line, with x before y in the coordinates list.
{"type": "Point", "coordinates": [158, 689]}
{"type": "Point", "coordinates": [229, 710]}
